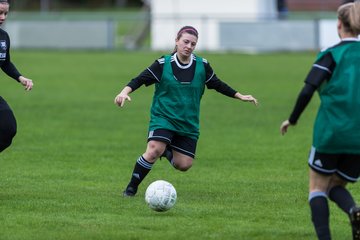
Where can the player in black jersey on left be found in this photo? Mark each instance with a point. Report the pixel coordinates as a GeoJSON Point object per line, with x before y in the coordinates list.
{"type": "Point", "coordinates": [7, 118]}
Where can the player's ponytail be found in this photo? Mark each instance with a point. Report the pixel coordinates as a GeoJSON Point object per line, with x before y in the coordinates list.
{"type": "Point", "coordinates": [355, 17]}
{"type": "Point", "coordinates": [349, 15]}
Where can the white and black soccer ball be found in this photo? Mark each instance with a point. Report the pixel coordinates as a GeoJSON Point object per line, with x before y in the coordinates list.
{"type": "Point", "coordinates": [160, 196]}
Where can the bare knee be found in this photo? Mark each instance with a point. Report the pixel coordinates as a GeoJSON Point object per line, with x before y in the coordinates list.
{"type": "Point", "coordinates": [336, 181]}
{"type": "Point", "coordinates": [154, 150]}
{"type": "Point", "coordinates": [318, 182]}
{"type": "Point", "coordinates": [182, 167]}
{"type": "Point", "coordinates": [182, 164]}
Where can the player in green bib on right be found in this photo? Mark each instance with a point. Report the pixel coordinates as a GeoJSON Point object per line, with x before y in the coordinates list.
{"type": "Point", "coordinates": [335, 155]}
{"type": "Point", "coordinates": [180, 80]}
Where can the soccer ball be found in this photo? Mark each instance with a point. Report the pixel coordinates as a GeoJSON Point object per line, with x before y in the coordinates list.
{"type": "Point", "coordinates": [160, 196]}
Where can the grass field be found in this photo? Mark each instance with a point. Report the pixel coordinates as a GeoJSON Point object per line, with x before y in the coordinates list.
{"type": "Point", "coordinates": [74, 152]}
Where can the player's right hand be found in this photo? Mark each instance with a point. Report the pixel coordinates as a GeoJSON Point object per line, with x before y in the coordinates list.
{"type": "Point", "coordinates": [121, 98]}
{"type": "Point", "coordinates": [284, 126]}
{"type": "Point", "coordinates": [26, 82]}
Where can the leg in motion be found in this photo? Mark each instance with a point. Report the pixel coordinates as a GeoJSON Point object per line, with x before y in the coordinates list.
{"type": "Point", "coordinates": [319, 204]}
{"type": "Point", "coordinates": [168, 154]}
{"type": "Point", "coordinates": [340, 195]}
{"type": "Point", "coordinates": [348, 170]}
{"type": "Point", "coordinates": [7, 125]}
{"type": "Point", "coordinates": [181, 161]}
{"type": "Point", "coordinates": [183, 152]}
{"type": "Point", "coordinates": [143, 166]}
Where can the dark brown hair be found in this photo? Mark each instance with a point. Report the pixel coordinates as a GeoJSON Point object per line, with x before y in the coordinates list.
{"type": "Point", "coordinates": [187, 29]}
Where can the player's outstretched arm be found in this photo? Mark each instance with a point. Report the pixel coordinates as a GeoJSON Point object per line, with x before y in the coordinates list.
{"type": "Point", "coordinates": [123, 96]}
{"type": "Point", "coordinates": [246, 98]}
{"type": "Point", "coordinates": [26, 82]}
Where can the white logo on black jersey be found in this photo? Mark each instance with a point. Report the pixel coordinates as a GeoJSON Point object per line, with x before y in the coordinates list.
{"type": "Point", "coordinates": [3, 45]}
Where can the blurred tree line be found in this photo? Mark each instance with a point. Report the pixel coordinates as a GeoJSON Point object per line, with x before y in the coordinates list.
{"type": "Point", "coordinates": [58, 5]}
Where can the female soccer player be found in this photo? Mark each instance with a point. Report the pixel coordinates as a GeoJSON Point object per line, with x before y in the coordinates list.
{"type": "Point", "coordinates": [335, 155]}
{"type": "Point", "coordinates": [180, 80]}
{"type": "Point", "coordinates": [7, 118]}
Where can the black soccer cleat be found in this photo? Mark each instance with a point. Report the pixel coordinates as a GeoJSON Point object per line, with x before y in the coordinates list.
{"type": "Point", "coordinates": [355, 222]}
{"type": "Point", "coordinates": [130, 191]}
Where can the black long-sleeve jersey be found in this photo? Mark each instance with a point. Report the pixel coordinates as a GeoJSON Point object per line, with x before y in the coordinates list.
{"type": "Point", "coordinates": [5, 63]}
{"type": "Point", "coordinates": [183, 73]}
{"type": "Point", "coordinates": [321, 71]}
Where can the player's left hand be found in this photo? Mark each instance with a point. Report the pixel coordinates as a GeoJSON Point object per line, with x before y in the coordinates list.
{"type": "Point", "coordinates": [26, 82]}
{"type": "Point", "coordinates": [247, 98]}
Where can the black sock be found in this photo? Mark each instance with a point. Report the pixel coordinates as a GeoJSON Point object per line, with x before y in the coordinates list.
{"type": "Point", "coordinates": [141, 169]}
{"type": "Point", "coordinates": [342, 197]}
{"type": "Point", "coordinates": [320, 214]}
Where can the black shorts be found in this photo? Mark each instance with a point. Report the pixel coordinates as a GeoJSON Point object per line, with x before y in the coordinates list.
{"type": "Point", "coordinates": [7, 122]}
{"type": "Point", "coordinates": [3, 105]}
{"type": "Point", "coordinates": [181, 144]}
{"type": "Point", "coordinates": [347, 166]}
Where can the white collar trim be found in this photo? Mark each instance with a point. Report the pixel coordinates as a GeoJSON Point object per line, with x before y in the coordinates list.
{"type": "Point", "coordinates": [183, 66]}
{"type": "Point", "coordinates": [350, 39]}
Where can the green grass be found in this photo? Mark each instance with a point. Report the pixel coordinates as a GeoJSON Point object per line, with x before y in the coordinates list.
{"type": "Point", "coordinates": [74, 152]}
